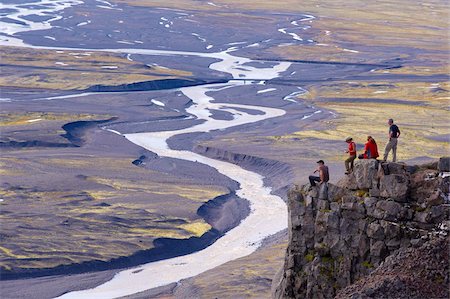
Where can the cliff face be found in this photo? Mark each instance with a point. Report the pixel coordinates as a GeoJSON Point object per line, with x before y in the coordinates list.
{"type": "Point", "coordinates": [382, 220]}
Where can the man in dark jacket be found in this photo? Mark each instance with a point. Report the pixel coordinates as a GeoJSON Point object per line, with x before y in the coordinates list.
{"type": "Point", "coordinates": [394, 133]}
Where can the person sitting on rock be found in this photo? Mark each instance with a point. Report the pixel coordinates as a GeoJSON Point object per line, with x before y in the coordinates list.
{"type": "Point", "coordinates": [324, 175]}
{"type": "Point", "coordinates": [370, 149]}
{"type": "Point", "coordinates": [352, 155]}
{"type": "Point", "coordinates": [394, 133]}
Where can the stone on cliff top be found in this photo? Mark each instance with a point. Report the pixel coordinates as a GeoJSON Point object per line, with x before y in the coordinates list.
{"type": "Point", "coordinates": [394, 181]}
{"type": "Point", "coordinates": [444, 164]}
{"type": "Point", "coordinates": [393, 168]}
{"type": "Point", "coordinates": [365, 172]}
{"type": "Point", "coordinates": [348, 182]}
{"type": "Point", "coordinates": [323, 191]}
{"type": "Point", "coordinates": [335, 193]}
{"type": "Point", "coordinates": [395, 186]}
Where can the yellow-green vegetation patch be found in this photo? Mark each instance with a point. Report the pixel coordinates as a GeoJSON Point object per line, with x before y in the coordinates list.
{"type": "Point", "coordinates": [427, 94]}
{"type": "Point", "coordinates": [88, 233]}
{"type": "Point", "coordinates": [198, 228]}
{"type": "Point", "coordinates": [435, 66]}
{"type": "Point", "coordinates": [160, 233]}
{"type": "Point", "coordinates": [192, 192]}
{"type": "Point", "coordinates": [20, 119]}
{"type": "Point", "coordinates": [7, 168]}
{"type": "Point", "coordinates": [9, 253]}
{"type": "Point", "coordinates": [67, 70]}
{"type": "Point", "coordinates": [362, 193]}
{"type": "Point", "coordinates": [88, 161]}
{"type": "Point", "coordinates": [116, 217]}
{"type": "Point", "coordinates": [364, 107]}
{"type": "Point", "coordinates": [309, 257]}
{"type": "Point", "coordinates": [367, 265]}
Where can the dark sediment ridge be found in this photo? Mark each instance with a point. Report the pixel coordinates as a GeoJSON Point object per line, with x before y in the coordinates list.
{"type": "Point", "coordinates": [224, 212]}
{"type": "Point", "coordinates": [33, 143]}
{"type": "Point", "coordinates": [153, 85]}
{"type": "Point", "coordinates": [276, 174]}
{"type": "Point", "coordinates": [387, 65]}
{"type": "Point", "coordinates": [75, 131]}
{"type": "Point", "coordinates": [75, 134]}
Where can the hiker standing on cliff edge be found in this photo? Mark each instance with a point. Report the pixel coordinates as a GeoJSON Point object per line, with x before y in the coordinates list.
{"type": "Point", "coordinates": [394, 133]}
{"type": "Point", "coordinates": [352, 155]}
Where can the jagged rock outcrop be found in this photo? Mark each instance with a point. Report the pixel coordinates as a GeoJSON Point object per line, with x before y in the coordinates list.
{"type": "Point", "coordinates": [340, 234]}
{"type": "Point", "coordinates": [413, 272]}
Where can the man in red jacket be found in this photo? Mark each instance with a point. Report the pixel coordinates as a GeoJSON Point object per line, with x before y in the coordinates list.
{"type": "Point", "coordinates": [352, 155]}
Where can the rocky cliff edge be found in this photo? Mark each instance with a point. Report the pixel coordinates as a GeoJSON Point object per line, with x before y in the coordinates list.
{"type": "Point", "coordinates": [380, 232]}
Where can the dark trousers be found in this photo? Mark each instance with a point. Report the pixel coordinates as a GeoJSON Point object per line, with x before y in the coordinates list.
{"type": "Point", "coordinates": [313, 179]}
{"type": "Point", "coordinates": [349, 163]}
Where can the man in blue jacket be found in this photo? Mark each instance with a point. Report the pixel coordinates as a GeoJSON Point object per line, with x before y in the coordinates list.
{"type": "Point", "coordinates": [394, 133]}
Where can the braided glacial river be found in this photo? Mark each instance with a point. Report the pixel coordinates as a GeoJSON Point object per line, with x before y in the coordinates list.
{"type": "Point", "coordinates": [268, 213]}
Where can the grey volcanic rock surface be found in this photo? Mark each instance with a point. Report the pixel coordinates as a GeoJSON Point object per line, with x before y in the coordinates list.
{"type": "Point", "coordinates": [411, 273]}
{"type": "Point", "coordinates": [337, 241]}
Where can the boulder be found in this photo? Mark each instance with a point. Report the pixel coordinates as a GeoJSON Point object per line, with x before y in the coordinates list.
{"type": "Point", "coordinates": [375, 190]}
{"type": "Point", "coordinates": [365, 173]}
{"type": "Point", "coordinates": [388, 210]}
{"type": "Point", "coordinates": [422, 217]}
{"type": "Point", "coordinates": [335, 193]}
{"type": "Point", "coordinates": [369, 204]}
{"type": "Point", "coordinates": [314, 192]}
{"type": "Point", "coordinates": [395, 186]}
{"type": "Point", "coordinates": [394, 168]}
{"type": "Point", "coordinates": [323, 204]}
{"type": "Point", "coordinates": [436, 198]}
{"type": "Point", "coordinates": [375, 231]}
{"type": "Point", "coordinates": [444, 186]}
{"type": "Point", "coordinates": [391, 230]}
{"type": "Point", "coordinates": [444, 164]}
{"type": "Point", "coordinates": [296, 208]}
{"type": "Point", "coordinates": [378, 249]}
{"type": "Point", "coordinates": [348, 182]}
{"type": "Point", "coordinates": [352, 209]}
{"type": "Point", "coordinates": [323, 191]}
{"type": "Point", "coordinates": [438, 214]}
